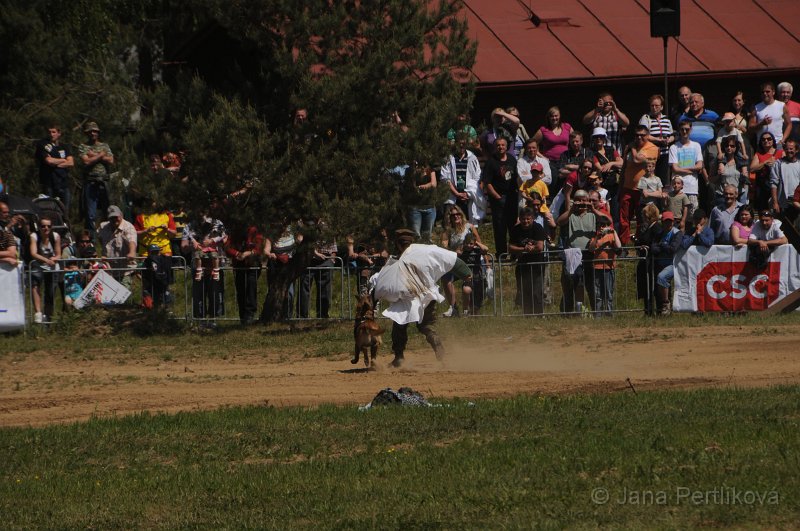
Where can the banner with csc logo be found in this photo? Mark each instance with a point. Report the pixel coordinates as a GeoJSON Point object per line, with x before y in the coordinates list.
{"type": "Point", "coordinates": [720, 279]}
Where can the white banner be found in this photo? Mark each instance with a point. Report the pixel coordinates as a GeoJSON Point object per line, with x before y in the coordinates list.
{"type": "Point", "coordinates": [102, 289]}
{"type": "Point", "coordinates": [12, 298]}
{"type": "Point", "coordinates": [720, 279]}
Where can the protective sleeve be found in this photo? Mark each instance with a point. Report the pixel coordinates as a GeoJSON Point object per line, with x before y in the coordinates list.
{"type": "Point", "coordinates": [461, 270]}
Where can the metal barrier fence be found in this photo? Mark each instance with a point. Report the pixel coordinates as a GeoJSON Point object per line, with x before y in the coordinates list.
{"type": "Point", "coordinates": [546, 288]}
{"type": "Point", "coordinates": [51, 282]}
{"type": "Point", "coordinates": [501, 287]}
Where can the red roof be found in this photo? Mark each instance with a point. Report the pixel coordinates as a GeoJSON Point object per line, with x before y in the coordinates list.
{"type": "Point", "coordinates": [583, 40]}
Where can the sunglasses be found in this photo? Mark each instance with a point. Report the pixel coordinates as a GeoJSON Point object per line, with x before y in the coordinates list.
{"type": "Point", "coordinates": [84, 241]}
{"type": "Point", "coordinates": [45, 226]}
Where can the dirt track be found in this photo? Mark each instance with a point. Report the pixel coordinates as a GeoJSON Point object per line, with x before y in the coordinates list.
{"type": "Point", "coordinates": [42, 388]}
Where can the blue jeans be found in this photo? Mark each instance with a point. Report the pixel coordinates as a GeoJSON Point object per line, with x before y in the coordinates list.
{"type": "Point", "coordinates": [421, 220]}
{"type": "Point", "coordinates": [95, 197]}
{"type": "Point", "coordinates": [604, 291]}
{"type": "Point", "coordinates": [665, 277]}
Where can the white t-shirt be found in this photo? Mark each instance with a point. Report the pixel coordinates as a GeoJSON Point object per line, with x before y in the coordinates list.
{"type": "Point", "coordinates": [775, 110]}
{"type": "Point", "coordinates": [686, 156]}
{"type": "Point", "coordinates": [773, 233]}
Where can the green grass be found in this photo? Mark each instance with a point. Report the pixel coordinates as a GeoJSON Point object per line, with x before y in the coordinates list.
{"type": "Point", "coordinates": [519, 463]}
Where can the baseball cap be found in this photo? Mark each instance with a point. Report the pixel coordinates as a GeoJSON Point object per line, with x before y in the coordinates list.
{"type": "Point", "coordinates": [667, 215]}
{"type": "Point", "coordinates": [537, 167]}
{"type": "Point", "coordinates": [728, 116]}
{"type": "Point", "coordinates": [113, 211]}
{"type": "Point", "coordinates": [599, 131]}
{"type": "Point", "coordinates": [90, 126]}
{"type": "Point", "coordinates": [153, 248]}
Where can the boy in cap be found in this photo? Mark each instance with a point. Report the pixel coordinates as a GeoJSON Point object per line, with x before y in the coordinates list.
{"type": "Point", "coordinates": [534, 184]}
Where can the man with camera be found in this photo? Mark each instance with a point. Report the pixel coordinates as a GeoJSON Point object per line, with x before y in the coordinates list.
{"type": "Point", "coordinates": [578, 225]}
{"type": "Point", "coordinates": [607, 115]}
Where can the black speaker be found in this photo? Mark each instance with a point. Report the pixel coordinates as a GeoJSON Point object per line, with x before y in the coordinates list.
{"type": "Point", "coordinates": [665, 18]}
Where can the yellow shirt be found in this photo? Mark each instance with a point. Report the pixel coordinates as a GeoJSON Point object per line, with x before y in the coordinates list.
{"type": "Point", "coordinates": [159, 236]}
{"type": "Point", "coordinates": [539, 187]}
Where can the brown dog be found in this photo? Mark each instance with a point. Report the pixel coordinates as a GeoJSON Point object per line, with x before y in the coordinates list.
{"type": "Point", "coordinates": [366, 331]}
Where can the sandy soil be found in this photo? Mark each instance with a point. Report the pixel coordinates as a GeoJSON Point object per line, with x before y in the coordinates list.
{"type": "Point", "coordinates": [42, 388]}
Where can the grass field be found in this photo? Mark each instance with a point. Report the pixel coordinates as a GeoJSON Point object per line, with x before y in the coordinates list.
{"type": "Point", "coordinates": [723, 457]}
{"type": "Point", "coordinates": [711, 458]}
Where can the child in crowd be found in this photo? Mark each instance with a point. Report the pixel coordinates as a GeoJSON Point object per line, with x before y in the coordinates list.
{"type": "Point", "coordinates": [605, 245]}
{"type": "Point", "coordinates": [729, 129]}
{"type": "Point", "coordinates": [534, 184]}
{"type": "Point", "coordinates": [156, 278]}
{"type": "Point", "coordinates": [650, 186]}
{"type": "Point", "coordinates": [73, 283]}
{"type": "Point", "coordinates": [596, 185]}
{"type": "Point", "coordinates": [205, 247]}
{"type": "Point", "coordinates": [678, 203]}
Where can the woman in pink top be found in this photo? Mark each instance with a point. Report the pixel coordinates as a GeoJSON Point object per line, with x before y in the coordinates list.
{"type": "Point", "coordinates": [742, 226]}
{"type": "Point", "coordinates": [553, 138]}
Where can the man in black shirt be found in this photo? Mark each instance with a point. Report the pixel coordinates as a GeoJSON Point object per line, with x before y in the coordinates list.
{"type": "Point", "coordinates": [54, 160]}
{"type": "Point", "coordinates": [499, 178]}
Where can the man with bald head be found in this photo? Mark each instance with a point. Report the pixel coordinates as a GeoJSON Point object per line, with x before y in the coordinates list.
{"type": "Point", "coordinates": [703, 120]}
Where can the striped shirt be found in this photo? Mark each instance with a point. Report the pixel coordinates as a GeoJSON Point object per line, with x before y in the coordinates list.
{"type": "Point", "coordinates": [659, 127]}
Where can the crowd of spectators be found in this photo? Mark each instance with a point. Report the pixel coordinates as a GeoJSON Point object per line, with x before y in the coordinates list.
{"type": "Point", "coordinates": [649, 186]}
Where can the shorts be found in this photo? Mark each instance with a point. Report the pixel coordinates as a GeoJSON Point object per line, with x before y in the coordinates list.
{"type": "Point", "coordinates": [204, 255]}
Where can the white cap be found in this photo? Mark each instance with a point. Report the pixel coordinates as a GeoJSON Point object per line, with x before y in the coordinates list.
{"type": "Point", "coordinates": [599, 131]}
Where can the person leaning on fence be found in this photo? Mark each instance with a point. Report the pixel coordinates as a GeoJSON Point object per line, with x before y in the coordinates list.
{"type": "Point", "coordinates": [578, 224]}
{"type": "Point", "coordinates": [320, 271]}
{"type": "Point", "coordinates": [8, 244]}
{"type": "Point", "coordinates": [45, 250]}
{"type": "Point", "coordinates": [699, 234]}
{"type": "Point", "coordinates": [244, 248]}
{"type": "Point", "coordinates": [649, 230]}
{"type": "Point", "coordinates": [157, 276]}
{"type": "Point", "coordinates": [74, 282]}
{"type": "Point", "coordinates": [606, 246]}
{"type": "Point", "coordinates": [765, 236]}
{"type": "Point", "coordinates": [118, 239]}
{"type": "Point", "coordinates": [526, 244]}
{"type": "Point", "coordinates": [663, 249]}
{"type": "Point", "coordinates": [463, 239]}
